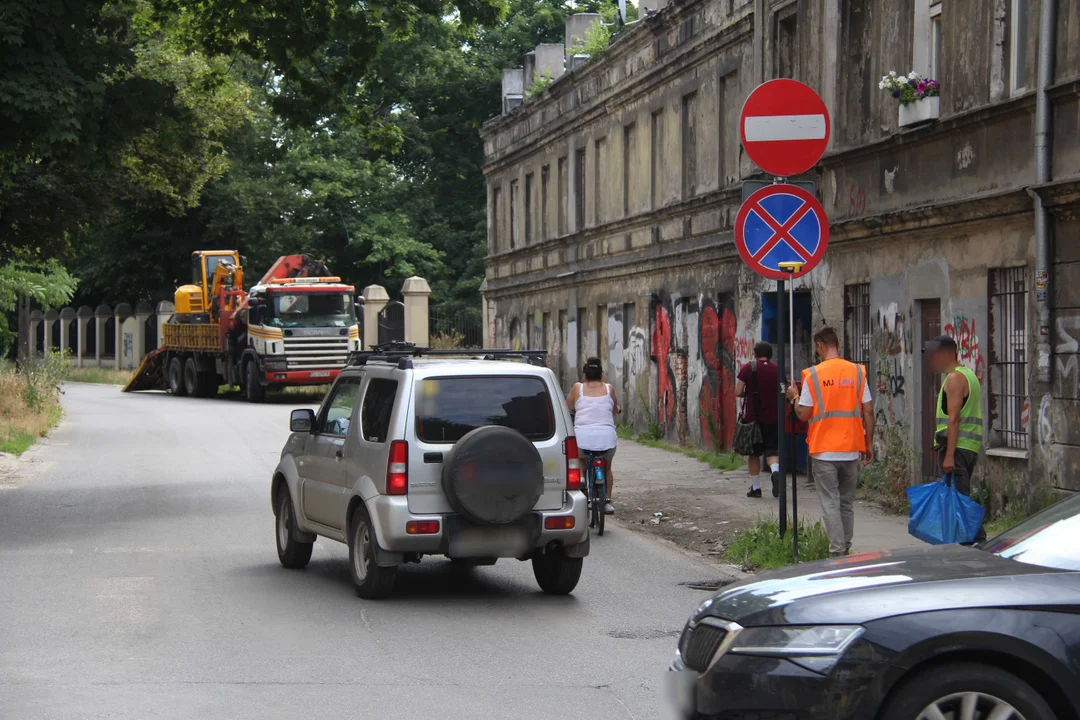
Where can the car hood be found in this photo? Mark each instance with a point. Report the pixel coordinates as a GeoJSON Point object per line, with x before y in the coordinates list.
{"type": "Point", "coordinates": [869, 586]}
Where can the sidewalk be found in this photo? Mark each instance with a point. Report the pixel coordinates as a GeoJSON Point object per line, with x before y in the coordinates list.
{"type": "Point", "coordinates": [703, 507]}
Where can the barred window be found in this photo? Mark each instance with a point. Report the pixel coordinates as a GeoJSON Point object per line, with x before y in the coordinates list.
{"type": "Point", "coordinates": [857, 325]}
{"type": "Point", "coordinates": [1008, 378]}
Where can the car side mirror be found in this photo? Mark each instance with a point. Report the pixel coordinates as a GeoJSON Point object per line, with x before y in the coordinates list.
{"type": "Point", "coordinates": [358, 308]}
{"type": "Point", "coordinates": [254, 312]}
{"type": "Point", "coordinates": [301, 421]}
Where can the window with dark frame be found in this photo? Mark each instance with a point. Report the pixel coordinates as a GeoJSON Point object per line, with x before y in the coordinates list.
{"type": "Point", "coordinates": [785, 42]}
{"type": "Point", "coordinates": [528, 208]}
{"type": "Point", "coordinates": [496, 199]}
{"type": "Point", "coordinates": [513, 213]}
{"type": "Point", "coordinates": [579, 186]}
{"type": "Point", "coordinates": [1008, 377]}
{"type": "Point", "coordinates": [689, 145]}
{"type": "Point", "coordinates": [545, 182]}
{"type": "Point", "coordinates": [656, 143]}
{"type": "Point", "coordinates": [858, 328]}
{"type": "Point", "coordinates": [564, 197]}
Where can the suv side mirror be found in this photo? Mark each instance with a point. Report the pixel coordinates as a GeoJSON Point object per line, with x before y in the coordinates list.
{"type": "Point", "coordinates": [302, 421]}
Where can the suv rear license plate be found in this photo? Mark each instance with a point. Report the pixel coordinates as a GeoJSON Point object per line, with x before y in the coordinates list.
{"type": "Point", "coordinates": [507, 541]}
{"type": "Point", "coordinates": [323, 373]}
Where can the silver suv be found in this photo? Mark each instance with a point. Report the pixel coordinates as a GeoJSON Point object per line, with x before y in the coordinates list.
{"type": "Point", "coordinates": [420, 452]}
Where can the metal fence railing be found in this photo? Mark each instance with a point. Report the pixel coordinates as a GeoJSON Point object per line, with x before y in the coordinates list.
{"type": "Point", "coordinates": [451, 328]}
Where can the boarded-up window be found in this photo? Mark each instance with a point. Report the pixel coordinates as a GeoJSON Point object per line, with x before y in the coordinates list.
{"type": "Point", "coordinates": [689, 145]}
{"type": "Point", "coordinates": [545, 173]}
{"type": "Point", "coordinates": [857, 324]}
{"type": "Point", "coordinates": [513, 213]}
{"type": "Point", "coordinates": [599, 179]}
{"type": "Point", "coordinates": [579, 185]}
{"type": "Point", "coordinates": [564, 197]}
{"type": "Point", "coordinates": [496, 199]}
{"type": "Point", "coordinates": [528, 208]}
{"type": "Point", "coordinates": [785, 42]}
{"type": "Point", "coordinates": [656, 142]}
{"type": "Point", "coordinates": [629, 161]}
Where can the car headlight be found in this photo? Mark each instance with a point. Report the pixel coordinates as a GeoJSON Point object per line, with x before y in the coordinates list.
{"type": "Point", "coordinates": [796, 641]}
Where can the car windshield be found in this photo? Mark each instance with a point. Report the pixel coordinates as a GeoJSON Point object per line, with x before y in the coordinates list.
{"type": "Point", "coordinates": [316, 309]}
{"type": "Point", "coordinates": [447, 408]}
{"type": "Point", "coordinates": [1049, 538]}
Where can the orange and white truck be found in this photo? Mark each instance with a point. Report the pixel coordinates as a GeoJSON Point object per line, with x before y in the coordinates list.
{"type": "Point", "coordinates": [296, 326]}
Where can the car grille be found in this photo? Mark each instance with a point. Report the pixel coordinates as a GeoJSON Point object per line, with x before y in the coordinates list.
{"type": "Point", "coordinates": [699, 644]}
{"type": "Point", "coordinates": [316, 353]}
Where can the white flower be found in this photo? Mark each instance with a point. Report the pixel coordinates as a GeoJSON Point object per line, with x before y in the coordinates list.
{"type": "Point", "coordinates": [881, 85]}
{"type": "Point", "coordinates": [892, 73]}
{"type": "Point", "coordinates": [913, 75]}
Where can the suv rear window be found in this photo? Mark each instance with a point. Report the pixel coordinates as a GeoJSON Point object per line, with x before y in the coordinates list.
{"type": "Point", "coordinates": [447, 408]}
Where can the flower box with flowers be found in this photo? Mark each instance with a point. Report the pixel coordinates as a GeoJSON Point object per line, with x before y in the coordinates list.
{"type": "Point", "coordinates": [918, 96]}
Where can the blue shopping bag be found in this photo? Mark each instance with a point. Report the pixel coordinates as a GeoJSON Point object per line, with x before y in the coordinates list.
{"type": "Point", "coordinates": [942, 515]}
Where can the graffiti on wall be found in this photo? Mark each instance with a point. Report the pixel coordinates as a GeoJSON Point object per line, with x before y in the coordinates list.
{"type": "Point", "coordinates": [661, 348]}
{"type": "Point", "coordinates": [892, 346]}
{"type": "Point", "coordinates": [1067, 372]}
{"type": "Point", "coordinates": [636, 355]}
{"type": "Point", "coordinates": [716, 400]}
{"type": "Point", "coordinates": [962, 329]}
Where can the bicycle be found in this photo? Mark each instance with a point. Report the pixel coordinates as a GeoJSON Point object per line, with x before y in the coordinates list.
{"type": "Point", "coordinates": [596, 487]}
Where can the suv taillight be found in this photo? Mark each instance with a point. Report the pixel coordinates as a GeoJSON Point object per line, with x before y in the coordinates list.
{"type": "Point", "coordinates": [397, 468]}
{"type": "Point", "coordinates": [573, 465]}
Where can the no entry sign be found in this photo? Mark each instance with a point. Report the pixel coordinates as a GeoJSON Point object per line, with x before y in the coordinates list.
{"type": "Point", "coordinates": [781, 223]}
{"type": "Point", "coordinates": [784, 127]}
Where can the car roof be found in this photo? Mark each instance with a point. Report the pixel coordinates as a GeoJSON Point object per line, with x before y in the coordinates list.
{"type": "Point", "coordinates": [441, 367]}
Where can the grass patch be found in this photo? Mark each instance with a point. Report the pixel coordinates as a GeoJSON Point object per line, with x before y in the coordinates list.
{"type": "Point", "coordinates": [1017, 509]}
{"type": "Point", "coordinates": [625, 431]}
{"type": "Point", "coordinates": [100, 376]}
{"type": "Point", "coordinates": [29, 402]}
{"type": "Point", "coordinates": [722, 461]}
{"type": "Point", "coordinates": [761, 547]}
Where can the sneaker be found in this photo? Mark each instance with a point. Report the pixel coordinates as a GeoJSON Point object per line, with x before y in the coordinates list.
{"type": "Point", "coordinates": [776, 484]}
{"type": "Point", "coordinates": [752, 493]}
{"type": "Point", "coordinates": [609, 509]}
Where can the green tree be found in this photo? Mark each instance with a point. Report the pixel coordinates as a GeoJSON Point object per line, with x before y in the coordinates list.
{"type": "Point", "coordinates": [49, 286]}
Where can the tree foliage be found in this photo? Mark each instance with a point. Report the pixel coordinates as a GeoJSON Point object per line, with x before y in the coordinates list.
{"type": "Point", "coordinates": [49, 287]}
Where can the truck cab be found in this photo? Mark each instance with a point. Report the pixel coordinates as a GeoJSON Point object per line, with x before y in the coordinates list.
{"type": "Point", "coordinates": [302, 329]}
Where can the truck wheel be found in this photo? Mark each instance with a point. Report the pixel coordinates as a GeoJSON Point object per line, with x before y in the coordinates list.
{"type": "Point", "coordinates": [176, 377]}
{"type": "Point", "coordinates": [254, 389]}
{"type": "Point", "coordinates": [372, 581]}
{"type": "Point", "coordinates": [556, 573]}
{"type": "Point", "coordinates": [292, 553]}
{"type": "Point", "coordinates": [191, 377]}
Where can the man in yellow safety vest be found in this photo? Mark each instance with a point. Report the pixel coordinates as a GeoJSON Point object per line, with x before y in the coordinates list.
{"type": "Point", "coordinates": [958, 432]}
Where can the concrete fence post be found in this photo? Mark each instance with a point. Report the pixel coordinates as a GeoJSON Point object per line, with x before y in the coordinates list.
{"type": "Point", "coordinates": [35, 320]}
{"type": "Point", "coordinates": [375, 299]}
{"type": "Point", "coordinates": [66, 316]}
{"type": "Point", "coordinates": [417, 292]}
{"type": "Point", "coordinates": [101, 318]}
{"type": "Point", "coordinates": [123, 312]}
{"type": "Point", "coordinates": [165, 311]}
{"type": "Point", "coordinates": [82, 333]}
{"type": "Point", "coordinates": [143, 311]}
{"type": "Point", "coordinates": [51, 316]}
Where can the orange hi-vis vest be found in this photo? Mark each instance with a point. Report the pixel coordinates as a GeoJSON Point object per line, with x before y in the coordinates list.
{"type": "Point", "coordinates": [835, 423]}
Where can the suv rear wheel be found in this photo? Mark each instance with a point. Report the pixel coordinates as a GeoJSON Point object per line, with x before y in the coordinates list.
{"type": "Point", "coordinates": [556, 573]}
{"type": "Point", "coordinates": [292, 553]}
{"type": "Point", "coordinates": [371, 580]}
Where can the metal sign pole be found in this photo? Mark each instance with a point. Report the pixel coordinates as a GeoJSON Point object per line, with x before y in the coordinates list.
{"type": "Point", "coordinates": [792, 268]}
{"type": "Point", "coordinates": [781, 431]}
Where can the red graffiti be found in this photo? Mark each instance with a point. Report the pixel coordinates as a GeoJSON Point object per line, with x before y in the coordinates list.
{"type": "Point", "coordinates": [661, 353]}
{"type": "Point", "coordinates": [717, 398]}
{"type": "Point", "coordinates": [856, 200]}
{"type": "Point", "coordinates": [962, 330]}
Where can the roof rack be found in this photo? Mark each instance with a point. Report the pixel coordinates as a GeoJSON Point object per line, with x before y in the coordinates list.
{"type": "Point", "coordinates": [402, 353]}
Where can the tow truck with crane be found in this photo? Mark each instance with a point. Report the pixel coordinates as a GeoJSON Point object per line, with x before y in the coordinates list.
{"type": "Point", "coordinates": [296, 326]}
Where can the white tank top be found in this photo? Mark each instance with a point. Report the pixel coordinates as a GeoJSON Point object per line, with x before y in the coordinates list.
{"type": "Point", "coordinates": [594, 421]}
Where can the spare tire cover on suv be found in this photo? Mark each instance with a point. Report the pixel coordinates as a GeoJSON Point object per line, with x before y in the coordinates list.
{"type": "Point", "coordinates": [494, 475]}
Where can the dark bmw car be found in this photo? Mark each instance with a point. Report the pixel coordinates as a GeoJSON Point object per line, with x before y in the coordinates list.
{"type": "Point", "coordinates": [935, 633]}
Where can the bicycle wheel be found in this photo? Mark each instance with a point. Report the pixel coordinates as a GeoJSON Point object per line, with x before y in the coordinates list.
{"type": "Point", "coordinates": [588, 490]}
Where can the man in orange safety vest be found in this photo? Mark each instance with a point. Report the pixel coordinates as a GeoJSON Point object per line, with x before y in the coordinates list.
{"type": "Point", "coordinates": [835, 401]}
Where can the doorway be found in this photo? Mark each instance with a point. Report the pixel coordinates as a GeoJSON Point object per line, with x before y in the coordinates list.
{"type": "Point", "coordinates": [930, 328]}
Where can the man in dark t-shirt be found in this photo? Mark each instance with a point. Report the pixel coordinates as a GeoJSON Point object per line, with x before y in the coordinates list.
{"type": "Point", "coordinates": [761, 378]}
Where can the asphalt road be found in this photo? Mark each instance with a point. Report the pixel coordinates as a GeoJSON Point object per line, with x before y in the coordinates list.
{"type": "Point", "coordinates": [138, 579]}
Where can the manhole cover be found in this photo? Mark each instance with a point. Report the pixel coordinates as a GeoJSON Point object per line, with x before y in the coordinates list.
{"type": "Point", "coordinates": [707, 585]}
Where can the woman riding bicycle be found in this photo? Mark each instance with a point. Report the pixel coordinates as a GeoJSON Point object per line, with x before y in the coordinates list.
{"type": "Point", "coordinates": [595, 406]}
